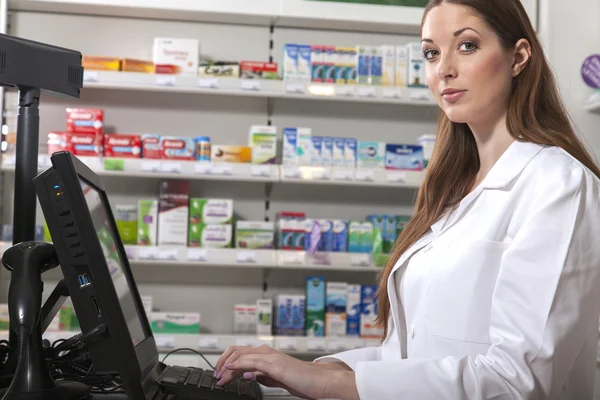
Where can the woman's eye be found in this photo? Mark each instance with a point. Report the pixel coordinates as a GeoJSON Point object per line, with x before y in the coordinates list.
{"type": "Point", "coordinates": [430, 54]}
{"type": "Point", "coordinates": [468, 47]}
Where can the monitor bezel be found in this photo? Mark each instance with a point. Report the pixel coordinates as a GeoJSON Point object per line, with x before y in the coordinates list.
{"type": "Point", "coordinates": [133, 363]}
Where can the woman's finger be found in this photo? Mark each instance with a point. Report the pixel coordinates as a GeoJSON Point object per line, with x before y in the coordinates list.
{"type": "Point", "coordinates": [253, 362]}
{"type": "Point", "coordinates": [224, 357]}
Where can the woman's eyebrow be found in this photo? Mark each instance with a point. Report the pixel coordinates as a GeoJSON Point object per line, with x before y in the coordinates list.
{"type": "Point", "coordinates": [457, 33]}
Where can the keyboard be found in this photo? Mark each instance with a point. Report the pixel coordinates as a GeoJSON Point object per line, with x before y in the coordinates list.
{"type": "Point", "coordinates": [198, 384]}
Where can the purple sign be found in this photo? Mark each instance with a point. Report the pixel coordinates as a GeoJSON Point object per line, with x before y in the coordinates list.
{"type": "Point", "coordinates": [590, 71]}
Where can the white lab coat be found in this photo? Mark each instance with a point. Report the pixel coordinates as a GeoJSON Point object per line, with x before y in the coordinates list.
{"type": "Point", "coordinates": [512, 305]}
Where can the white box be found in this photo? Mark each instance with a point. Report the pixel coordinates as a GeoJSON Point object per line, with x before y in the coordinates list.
{"type": "Point", "coordinates": [290, 62]}
{"type": "Point", "coordinates": [316, 159]}
{"type": "Point", "coordinates": [401, 66]}
{"type": "Point", "coordinates": [304, 146]}
{"type": "Point", "coordinates": [176, 56]}
{"type": "Point", "coordinates": [173, 213]}
{"type": "Point", "coordinates": [290, 140]}
{"type": "Point", "coordinates": [416, 67]}
{"type": "Point", "coordinates": [263, 141]}
{"type": "Point", "coordinates": [339, 159]}
{"type": "Point", "coordinates": [304, 63]}
{"type": "Point", "coordinates": [327, 151]}
{"type": "Point", "coordinates": [335, 308]}
{"type": "Point", "coordinates": [350, 152]}
{"type": "Point", "coordinates": [388, 65]}
{"type": "Point", "coordinates": [353, 304]}
{"type": "Point", "coordinates": [239, 318]}
{"type": "Point", "coordinates": [265, 317]}
{"type": "Point", "coordinates": [251, 319]}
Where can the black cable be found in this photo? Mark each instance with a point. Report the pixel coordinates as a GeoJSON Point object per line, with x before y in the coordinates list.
{"type": "Point", "coordinates": [22, 335]}
{"type": "Point", "coordinates": [190, 350]}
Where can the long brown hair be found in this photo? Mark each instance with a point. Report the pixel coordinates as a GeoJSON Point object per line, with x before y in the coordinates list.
{"type": "Point", "coordinates": [535, 114]}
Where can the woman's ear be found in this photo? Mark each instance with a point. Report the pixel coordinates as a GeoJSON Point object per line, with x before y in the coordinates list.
{"type": "Point", "coordinates": [522, 56]}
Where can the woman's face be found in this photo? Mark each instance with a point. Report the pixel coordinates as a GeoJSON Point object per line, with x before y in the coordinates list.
{"type": "Point", "coordinates": [468, 71]}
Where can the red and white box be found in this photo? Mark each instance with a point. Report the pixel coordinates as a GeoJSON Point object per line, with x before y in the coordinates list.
{"type": "Point", "coordinates": [56, 142]}
{"type": "Point", "coordinates": [122, 146]}
{"type": "Point", "coordinates": [151, 146]}
{"type": "Point", "coordinates": [83, 144]}
{"type": "Point", "coordinates": [177, 148]}
{"type": "Point", "coordinates": [85, 120]}
{"type": "Point", "coordinates": [258, 70]}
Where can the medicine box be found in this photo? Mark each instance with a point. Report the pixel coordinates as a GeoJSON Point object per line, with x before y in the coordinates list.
{"type": "Point", "coordinates": [327, 152]}
{"type": "Point", "coordinates": [298, 323]}
{"type": "Point", "coordinates": [254, 235]}
{"type": "Point", "coordinates": [350, 153]}
{"type": "Point", "coordinates": [401, 66]}
{"type": "Point", "coordinates": [340, 65]}
{"type": "Point", "coordinates": [82, 144]}
{"type": "Point", "coordinates": [388, 67]}
{"type": "Point", "coordinates": [251, 318]}
{"type": "Point", "coordinates": [312, 235]}
{"type": "Point", "coordinates": [363, 64]}
{"type": "Point", "coordinates": [265, 317]}
{"type": "Point", "coordinates": [329, 64]}
{"type": "Point", "coordinates": [210, 236]}
{"type": "Point", "coordinates": [366, 239]}
{"type": "Point", "coordinates": [368, 315]}
{"type": "Point", "coordinates": [416, 66]}
{"type": "Point", "coordinates": [95, 63]}
{"type": "Point", "coordinates": [403, 157]}
{"type": "Point", "coordinates": [290, 139]}
{"type": "Point", "coordinates": [230, 154]}
{"type": "Point", "coordinates": [211, 211]}
{"type": "Point", "coordinates": [353, 310]}
{"type": "Point", "coordinates": [340, 235]}
{"type": "Point", "coordinates": [134, 65]}
{"type": "Point", "coordinates": [315, 306]}
{"type": "Point", "coordinates": [326, 242]}
{"type": "Point", "coordinates": [263, 141]}
{"type": "Point", "coordinates": [147, 222]}
{"type": "Point", "coordinates": [317, 61]}
{"type": "Point", "coordinates": [354, 237]}
{"type": "Point", "coordinates": [401, 222]}
{"type": "Point", "coordinates": [351, 68]}
{"type": "Point", "coordinates": [304, 146]}
{"type": "Point", "coordinates": [219, 69]}
{"type": "Point", "coordinates": [283, 314]}
{"type": "Point", "coordinates": [176, 56]}
{"type": "Point", "coordinates": [389, 233]}
{"type": "Point", "coordinates": [290, 62]}
{"type": "Point", "coordinates": [173, 207]}
{"type": "Point", "coordinates": [370, 155]}
{"type": "Point", "coordinates": [239, 319]}
{"type": "Point", "coordinates": [290, 230]}
{"type": "Point", "coordinates": [258, 70]}
{"type": "Point", "coordinates": [177, 148]}
{"type": "Point", "coordinates": [122, 146]}
{"type": "Point", "coordinates": [316, 151]}
{"type": "Point", "coordinates": [335, 308]}
{"type": "Point", "coordinates": [151, 146]}
{"type": "Point", "coordinates": [86, 120]}
{"type": "Point", "coordinates": [126, 217]}
{"type": "Point", "coordinates": [175, 322]}
{"type": "Point", "coordinates": [376, 70]}
{"type": "Point", "coordinates": [304, 63]}
{"type": "Point", "coordinates": [339, 159]}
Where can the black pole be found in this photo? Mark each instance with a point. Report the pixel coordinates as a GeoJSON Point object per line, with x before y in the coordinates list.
{"type": "Point", "coordinates": [26, 165]}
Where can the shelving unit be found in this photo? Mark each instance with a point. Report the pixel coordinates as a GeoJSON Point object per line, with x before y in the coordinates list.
{"type": "Point", "coordinates": [593, 104]}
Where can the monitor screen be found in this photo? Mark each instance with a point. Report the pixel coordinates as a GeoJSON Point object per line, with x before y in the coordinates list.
{"type": "Point", "coordinates": [106, 236]}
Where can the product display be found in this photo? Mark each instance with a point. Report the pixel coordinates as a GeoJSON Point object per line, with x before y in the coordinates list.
{"type": "Point", "coordinates": [175, 322]}
{"type": "Point", "coordinates": [176, 56]}
{"type": "Point", "coordinates": [174, 200]}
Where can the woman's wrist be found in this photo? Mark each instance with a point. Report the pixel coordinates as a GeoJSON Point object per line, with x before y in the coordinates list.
{"type": "Point", "coordinates": [341, 385]}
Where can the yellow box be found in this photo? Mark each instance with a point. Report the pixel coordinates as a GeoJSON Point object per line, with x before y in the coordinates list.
{"type": "Point", "coordinates": [231, 154]}
{"type": "Point", "coordinates": [132, 65]}
{"type": "Point", "coordinates": [101, 63]}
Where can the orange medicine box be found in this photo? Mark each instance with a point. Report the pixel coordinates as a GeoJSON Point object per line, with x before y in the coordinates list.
{"type": "Point", "coordinates": [132, 65]}
{"type": "Point", "coordinates": [101, 63]}
{"type": "Point", "coordinates": [231, 154]}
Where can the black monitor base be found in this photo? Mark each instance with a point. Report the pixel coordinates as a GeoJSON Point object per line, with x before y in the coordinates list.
{"type": "Point", "coordinates": [64, 390]}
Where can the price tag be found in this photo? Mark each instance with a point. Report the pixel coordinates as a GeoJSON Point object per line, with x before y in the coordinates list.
{"type": "Point", "coordinates": [288, 344]}
{"type": "Point", "coordinates": [250, 84]}
{"type": "Point", "coordinates": [203, 168]}
{"type": "Point", "coordinates": [294, 87]}
{"type": "Point", "coordinates": [320, 174]}
{"type": "Point", "coordinates": [164, 342]}
{"type": "Point", "coordinates": [291, 172]}
{"type": "Point", "coordinates": [343, 174]}
{"type": "Point", "coordinates": [168, 254]}
{"type": "Point", "coordinates": [364, 175]}
{"type": "Point", "coordinates": [396, 176]}
{"type": "Point", "coordinates": [248, 341]}
{"type": "Point", "coordinates": [337, 345]}
{"type": "Point", "coordinates": [419, 94]}
{"type": "Point", "coordinates": [360, 260]}
{"type": "Point", "coordinates": [293, 257]}
{"type": "Point", "coordinates": [392, 93]}
{"type": "Point", "coordinates": [170, 167]}
{"type": "Point", "coordinates": [261, 170]}
{"type": "Point", "coordinates": [165, 79]}
{"type": "Point", "coordinates": [150, 166]}
{"type": "Point", "coordinates": [208, 343]}
{"type": "Point", "coordinates": [200, 255]}
{"type": "Point", "coordinates": [221, 169]}
{"type": "Point", "coordinates": [208, 83]}
{"type": "Point", "coordinates": [245, 257]}
{"type": "Point", "coordinates": [367, 91]}
{"type": "Point", "coordinates": [130, 251]}
{"type": "Point", "coordinates": [114, 164]}
{"type": "Point", "coordinates": [316, 345]}
{"type": "Point", "coordinates": [147, 253]}
{"type": "Point", "coordinates": [344, 91]}
{"type": "Point", "coordinates": [90, 76]}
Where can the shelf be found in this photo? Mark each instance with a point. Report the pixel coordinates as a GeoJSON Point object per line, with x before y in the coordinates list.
{"type": "Point", "coordinates": [593, 104]}
{"type": "Point", "coordinates": [281, 13]}
{"type": "Point", "coordinates": [351, 176]}
{"type": "Point", "coordinates": [114, 80]}
{"type": "Point", "coordinates": [244, 258]}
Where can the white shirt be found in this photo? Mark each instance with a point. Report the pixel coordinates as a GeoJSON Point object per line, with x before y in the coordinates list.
{"type": "Point", "coordinates": [504, 298]}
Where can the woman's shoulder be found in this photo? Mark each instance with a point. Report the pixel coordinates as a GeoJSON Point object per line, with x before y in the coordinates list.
{"type": "Point", "coordinates": [554, 165]}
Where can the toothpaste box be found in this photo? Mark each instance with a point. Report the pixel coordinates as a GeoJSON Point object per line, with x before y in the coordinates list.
{"type": "Point", "coordinates": [404, 157]}
{"type": "Point", "coordinates": [173, 206]}
{"type": "Point", "coordinates": [254, 235]}
{"type": "Point", "coordinates": [401, 66]}
{"type": "Point", "coordinates": [304, 63]}
{"type": "Point", "coordinates": [335, 308]}
{"type": "Point", "coordinates": [316, 151]}
{"type": "Point", "coordinates": [416, 66]}
{"type": "Point", "coordinates": [329, 62]}
{"type": "Point", "coordinates": [340, 235]}
{"type": "Point", "coordinates": [210, 236]}
{"type": "Point", "coordinates": [315, 306]}
{"type": "Point", "coordinates": [265, 317]}
{"type": "Point", "coordinates": [388, 66]}
{"type": "Point", "coordinates": [370, 154]}
{"type": "Point", "coordinates": [230, 154]}
{"type": "Point", "coordinates": [339, 159]}
{"type": "Point", "coordinates": [177, 148]}
{"type": "Point", "coordinates": [363, 64]}
{"type": "Point", "coordinates": [326, 242]}
{"type": "Point", "coordinates": [389, 234]}
{"type": "Point", "coordinates": [353, 311]}
{"type": "Point", "coordinates": [290, 62]}
{"type": "Point", "coordinates": [340, 65]}
{"type": "Point", "coordinates": [86, 120]}
{"type": "Point", "coordinates": [351, 68]}
{"type": "Point", "coordinates": [211, 211]}
{"type": "Point", "coordinates": [176, 56]}
{"type": "Point", "coordinates": [147, 222]}
{"type": "Point", "coordinates": [317, 59]}
{"type": "Point", "coordinates": [304, 146]}
{"type": "Point", "coordinates": [151, 146]}
{"type": "Point", "coordinates": [290, 139]}
{"type": "Point", "coordinates": [350, 153]}
{"type": "Point", "coordinates": [124, 146]}
{"type": "Point", "coordinates": [366, 238]}
{"type": "Point", "coordinates": [354, 237]}
{"type": "Point", "coordinates": [368, 315]}
{"type": "Point", "coordinates": [263, 141]}
{"type": "Point", "coordinates": [163, 322]}
{"type": "Point", "coordinates": [83, 144]}
{"type": "Point", "coordinates": [376, 71]}
{"type": "Point", "coordinates": [327, 151]}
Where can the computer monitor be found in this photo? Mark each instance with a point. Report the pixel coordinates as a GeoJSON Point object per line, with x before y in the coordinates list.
{"type": "Point", "coordinates": [97, 273]}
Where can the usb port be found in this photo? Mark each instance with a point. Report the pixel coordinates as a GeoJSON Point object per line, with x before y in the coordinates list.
{"type": "Point", "coordinates": [83, 280]}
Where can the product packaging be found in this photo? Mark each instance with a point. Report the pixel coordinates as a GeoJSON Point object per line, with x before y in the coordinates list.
{"type": "Point", "coordinates": [265, 317]}
{"type": "Point", "coordinates": [239, 319]}
{"type": "Point", "coordinates": [298, 315]}
{"type": "Point", "coordinates": [175, 322]}
{"type": "Point", "coordinates": [370, 155]}
{"type": "Point", "coordinates": [126, 217]}
{"type": "Point", "coordinates": [85, 120]}
{"type": "Point", "coordinates": [258, 70]}
{"type": "Point", "coordinates": [79, 144]}
{"type": "Point", "coordinates": [401, 222]}
{"type": "Point", "coordinates": [340, 235]}
{"type": "Point", "coordinates": [354, 237]}
{"type": "Point", "coordinates": [316, 151]}
{"type": "Point", "coordinates": [283, 314]}
{"type": "Point", "coordinates": [211, 211]}
{"type": "Point", "coordinates": [304, 146]}
{"type": "Point", "coordinates": [351, 67]}
{"type": "Point", "coordinates": [388, 67]}
{"type": "Point", "coordinates": [327, 151]}
{"type": "Point", "coordinates": [176, 56]}
{"type": "Point", "coordinates": [7, 232]}
{"type": "Point", "coordinates": [290, 230]}
{"type": "Point", "coordinates": [177, 148]}
{"type": "Point", "coordinates": [251, 318]}
{"type": "Point", "coordinates": [428, 143]}
{"type": "Point", "coordinates": [230, 154]}
{"type": "Point", "coordinates": [376, 70]}
{"type": "Point", "coordinates": [368, 315]}
{"type": "Point", "coordinates": [210, 236]}
{"type": "Point", "coordinates": [317, 57]}
{"type": "Point", "coordinates": [335, 308]}
{"type": "Point", "coordinates": [339, 159]}
{"type": "Point", "coordinates": [151, 146]}
{"type": "Point", "coordinates": [202, 148]}
{"type": "Point", "coordinates": [330, 57]}
{"type": "Point", "coordinates": [290, 62]}
{"type": "Point", "coordinates": [353, 311]}
{"type": "Point", "coordinates": [263, 141]}
{"type": "Point", "coordinates": [404, 157]}
{"type": "Point", "coordinates": [389, 234]}
{"type": "Point", "coordinates": [363, 64]}
{"type": "Point", "coordinates": [290, 138]}
{"type": "Point", "coordinates": [315, 306]}
{"type": "Point", "coordinates": [401, 66]}
{"type": "Point", "coordinates": [219, 69]}
{"type": "Point", "coordinates": [326, 242]}
{"type": "Point", "coordinates": [139, 66]}
{"type": "Point", "coordinates": [122, 146]}
{"type": "Point", "coordinates": [366, 239]}
{"type": "Point", "coordinates": [416, 66]}
{"type": "Point", "coordinates": [254, 235]}
{"type": "Point", "coordinates": [340, 66]}
{"type": "Point", "coordinates": [304, 63]}
{"type": "Point", "coordinates": [174, 200]}
{"type": "Point", "coordinates": [95, 63]}
{"type": "Point", "coordinates": [350, 153]}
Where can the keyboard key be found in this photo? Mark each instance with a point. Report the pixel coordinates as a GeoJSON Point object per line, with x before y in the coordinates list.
{"type": "Point", "coordinates": [207, 380]}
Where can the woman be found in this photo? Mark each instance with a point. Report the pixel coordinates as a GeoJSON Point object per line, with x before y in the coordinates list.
{"type": "Point", "coordinates": [493, 288]}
